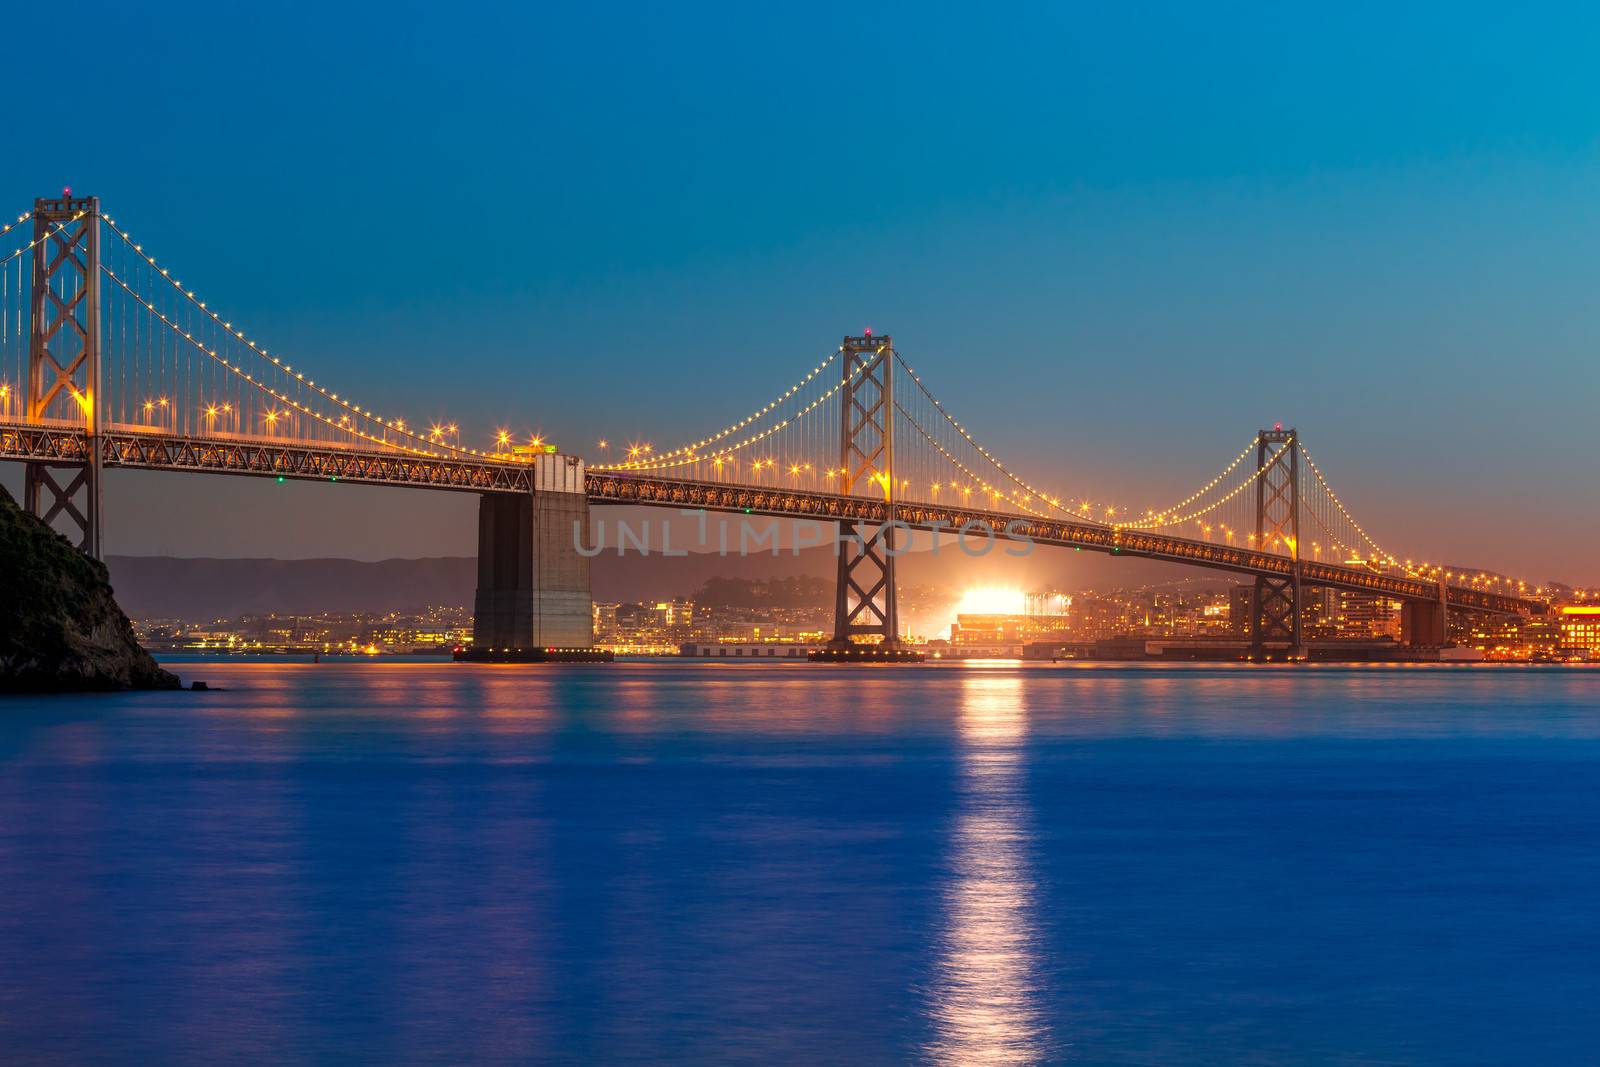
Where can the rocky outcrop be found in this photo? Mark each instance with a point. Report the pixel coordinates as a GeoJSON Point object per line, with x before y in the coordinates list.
{"type": "Point", "coordinates": [60, 628]}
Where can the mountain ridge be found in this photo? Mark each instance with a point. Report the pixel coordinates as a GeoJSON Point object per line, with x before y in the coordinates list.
{"type": "Point", "coordinates": [199, 588]}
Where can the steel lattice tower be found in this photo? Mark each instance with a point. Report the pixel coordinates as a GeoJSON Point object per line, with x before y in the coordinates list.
{"type": "Point", "coordinates": [64, 359]}
{"type": "Point", "coordinates": [1275, 602]}
{"type": "Point", "coordinates": [864, 597]}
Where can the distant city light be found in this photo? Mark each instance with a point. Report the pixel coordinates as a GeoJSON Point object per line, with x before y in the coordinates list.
{"type": "Point", "coordinates": [991, 601]}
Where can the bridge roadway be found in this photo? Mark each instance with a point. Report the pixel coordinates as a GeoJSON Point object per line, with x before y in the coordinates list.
{"type": "Point", "coordinates": [147, 448]}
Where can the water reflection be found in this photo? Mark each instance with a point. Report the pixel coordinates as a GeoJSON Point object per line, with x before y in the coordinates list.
{"type": "Point", "coordinates": [987, 997]}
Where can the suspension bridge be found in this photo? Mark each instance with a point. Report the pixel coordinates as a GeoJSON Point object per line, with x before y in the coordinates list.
{"type": "Point", "coordinates": [108, 360]}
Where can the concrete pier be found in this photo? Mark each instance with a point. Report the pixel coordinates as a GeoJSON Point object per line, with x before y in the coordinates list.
{"type": "Point", "coordinates": [533, 583]}
{"type": "Point", "coordinates": [1422, 623]}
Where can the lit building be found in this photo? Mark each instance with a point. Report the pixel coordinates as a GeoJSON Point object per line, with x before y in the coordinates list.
{"type": "Point", "coordinates": [1580, 629]}
{"type": "Point", "coordinates": [1327, 613]}
{"type": "Point", "coordinates": [997, 618]}
{"type": "Point", "coordinates": [1366, 615]}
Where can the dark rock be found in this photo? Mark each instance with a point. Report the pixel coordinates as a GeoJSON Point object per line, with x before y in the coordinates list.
{"type": "Point", "coordinates": [199, 687]}
{"type": "Point", "coordinates": [60, 628]}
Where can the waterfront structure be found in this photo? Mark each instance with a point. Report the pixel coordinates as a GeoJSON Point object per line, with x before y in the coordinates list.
{"type": "Point", "coordinates": [1044, 619]}
{"type": "Point", "coordinates": [760, 650]}
{"type": "Point", "coordinates": [1580, 629]}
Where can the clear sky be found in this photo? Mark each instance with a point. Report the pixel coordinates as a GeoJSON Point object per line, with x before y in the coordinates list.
{"type": "Point", "coordinates": [1122, 236]}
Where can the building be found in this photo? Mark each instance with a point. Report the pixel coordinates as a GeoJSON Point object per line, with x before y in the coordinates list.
{"type": "Point", "coordinates": [1580, 630]}
{"type": "Point", "coordinates": [1011, 631]}
{"type": "Point", "coordinates": [1366, 615]}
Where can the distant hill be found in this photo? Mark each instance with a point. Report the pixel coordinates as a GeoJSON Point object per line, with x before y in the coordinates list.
{"type": "Point", "coordinates": [172, 587]}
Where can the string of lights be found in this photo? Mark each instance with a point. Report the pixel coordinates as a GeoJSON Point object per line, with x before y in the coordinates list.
{"type": "Point", "coordinates": [1335, 540]}
{"type": "Point", "coordinates": [990, 489]}
{"type": "Point", "coordinates": [1166, 517]}
{"type": "Point", "coordinates": [239, 371]}
{"type": "Point", "coordinates": [1334, 497]}
{"type": "Point", "coordinates": [765, 409]}
{"type": "Point", "coordinates": [662, 462]}
{"type": "Point", "coordinates": [31, 245]}
{"type": "Point", "coordinates": [1179, 520]}
{"type": "Point", "coordinates": [993, 460]}
{"type": "Point", "coordinates": [1158, 519]}
{"type": "Point", "coordinates": [397, 426]}
{"type": "Point", "coordinates": [8, 227]}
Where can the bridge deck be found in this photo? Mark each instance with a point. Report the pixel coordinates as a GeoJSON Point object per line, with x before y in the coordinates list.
{"type": "Point", "coordinates": [138, 448]}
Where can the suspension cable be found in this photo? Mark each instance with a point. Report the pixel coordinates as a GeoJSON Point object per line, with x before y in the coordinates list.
{"type": "Point", "coordinates": [1053, 501]}
{"type": "Point", "coordinates": [994, 492]}
{"type": "Point", "coordinates": [396, 425]}
{"type": "Point", "coordinates": [663, 463]}
{"type": "Point", "coordinates": [240, 372]}
{"type": "Point", "coordinates": [1334, 497]}
{"type": "Point", "coordinates": [1158, 517]}
{"type": "Point", "coordinates": [733, 428]}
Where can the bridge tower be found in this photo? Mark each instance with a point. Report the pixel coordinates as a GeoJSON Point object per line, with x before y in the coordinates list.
{"type": "Point", "coordinates": [1275, 602]}
{"type": "Point", "coordinates": [64, 361]}
{"type": "Point", "coordinates": [864, 594]}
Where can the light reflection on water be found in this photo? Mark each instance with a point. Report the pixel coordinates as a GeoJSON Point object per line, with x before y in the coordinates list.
{"type": "Point", "coordinates": [776, 863]}
{"type": "Point", "coordinates": [986, 994]}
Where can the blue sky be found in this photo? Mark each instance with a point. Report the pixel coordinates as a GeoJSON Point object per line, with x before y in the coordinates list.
{"type": "Point", "coordinates": [1124, 236]}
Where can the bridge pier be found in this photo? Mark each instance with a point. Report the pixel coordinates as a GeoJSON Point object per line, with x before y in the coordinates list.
{"type": "Point", "coordinates": [1427, 622]}
{"type": "Point", "coordinates": [1422, 623]}
{"type": "Point", "coordinates": [533, 583]}
{"type": "Point", "coordinates": [1275, 611]}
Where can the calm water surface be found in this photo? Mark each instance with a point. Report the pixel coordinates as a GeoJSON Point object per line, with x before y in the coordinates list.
{"type": "Point", "coordinates": [638, 863]}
